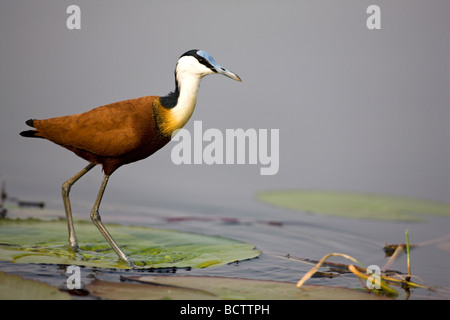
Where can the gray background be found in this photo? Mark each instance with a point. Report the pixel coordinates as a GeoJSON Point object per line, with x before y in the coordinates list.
{"type": "Point", "coordinates": [358, 110]}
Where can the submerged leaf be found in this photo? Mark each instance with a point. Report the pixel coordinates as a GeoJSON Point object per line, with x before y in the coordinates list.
{"type": "Point", "coordinates": [38, 241]}
{"type": "Point", "coordinates": [213, 288]}
{"type": "Point", "coordinates": [14, 287]}
{"type": "Point", "coordinates": [356, 205]}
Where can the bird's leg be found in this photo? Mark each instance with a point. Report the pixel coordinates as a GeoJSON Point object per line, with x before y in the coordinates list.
{"type": "Point", "coordinates": [65, 195]}
{"type": "Point", "coordinates": [96, 219]}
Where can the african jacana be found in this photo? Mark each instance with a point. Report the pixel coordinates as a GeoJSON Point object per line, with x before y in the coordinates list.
{"type": "Point", "coordinates": [126, 131]}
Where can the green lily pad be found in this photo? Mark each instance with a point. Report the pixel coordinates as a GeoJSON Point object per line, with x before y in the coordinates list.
{"type": "Point", "coordinates": [216, 288]}
{"type": "Point", "coordinates": [41, 241]}
{"type": "Point", "coordinates": [356, 205]}
{"type": "Point", "coordinates": [14, 287]}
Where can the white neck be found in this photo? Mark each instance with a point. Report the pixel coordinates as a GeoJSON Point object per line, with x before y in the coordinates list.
{"type": "Point", "coordinates": [188, 85]}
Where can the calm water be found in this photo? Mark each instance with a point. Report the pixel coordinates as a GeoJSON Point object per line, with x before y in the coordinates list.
{"type": "Point", "coordinates": [274, 232]}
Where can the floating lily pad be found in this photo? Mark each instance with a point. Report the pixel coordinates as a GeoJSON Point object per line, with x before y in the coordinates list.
{"type": "Point", "coordinates": [214, 288]}
{"type": "Point", "coordinates": [356, 205]}
{"type": "Point", "coordinates": [40, 241]}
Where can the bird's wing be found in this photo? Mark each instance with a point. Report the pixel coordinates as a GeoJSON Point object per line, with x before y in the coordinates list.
{"type": "Point", "coordinates": [110, 131]}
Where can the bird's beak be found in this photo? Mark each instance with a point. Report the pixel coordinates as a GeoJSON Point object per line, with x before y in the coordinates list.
{"type": "Point", "coordinates": [228, 73]}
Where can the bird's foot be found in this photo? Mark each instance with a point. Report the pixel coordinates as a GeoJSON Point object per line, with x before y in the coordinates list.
{"type": "Point", "coordinates": [128, 261]}
{"type": "Point", "coordinates": [73, 246]}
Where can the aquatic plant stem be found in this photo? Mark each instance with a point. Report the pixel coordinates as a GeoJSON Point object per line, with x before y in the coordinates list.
{"type": "Point", "coordinates": [311, 272]}
{"type": "Point", "coordinates": [407, 255]}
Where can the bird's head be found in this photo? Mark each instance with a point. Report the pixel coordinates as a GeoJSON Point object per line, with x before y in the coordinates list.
{"type": "Point", "coordinates": [200, 63]}
{"type": "Point", "coordinates": [178, 105]}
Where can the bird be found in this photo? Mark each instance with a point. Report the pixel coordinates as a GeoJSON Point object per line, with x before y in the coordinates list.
{"type": "Point", "coordinates": [126, 131]}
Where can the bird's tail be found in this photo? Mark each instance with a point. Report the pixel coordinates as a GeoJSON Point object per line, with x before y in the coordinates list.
{"type": "Point", "coordinates": [30, 133]}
